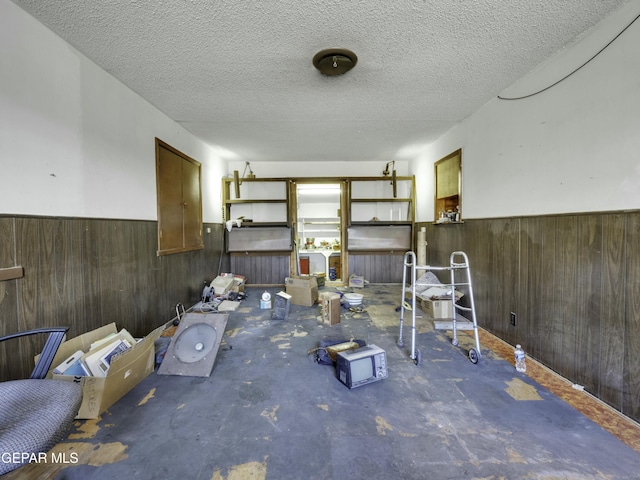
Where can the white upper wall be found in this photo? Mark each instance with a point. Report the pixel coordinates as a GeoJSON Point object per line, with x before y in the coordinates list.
{"type": "Point", "coordinates": [76, 142]}
{"type": "Point", "coordinates": [572, 148]}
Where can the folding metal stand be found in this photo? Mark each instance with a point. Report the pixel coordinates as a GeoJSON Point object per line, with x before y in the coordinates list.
{"type": "Point", "coordinates": [454, 266]}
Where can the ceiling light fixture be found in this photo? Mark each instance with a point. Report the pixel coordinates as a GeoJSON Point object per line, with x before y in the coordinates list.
{"type": "Point", "coordinates": [334, 61]}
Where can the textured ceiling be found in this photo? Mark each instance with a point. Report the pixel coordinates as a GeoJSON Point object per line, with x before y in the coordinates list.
{"type": "Point", "coordinates": [238, 74]}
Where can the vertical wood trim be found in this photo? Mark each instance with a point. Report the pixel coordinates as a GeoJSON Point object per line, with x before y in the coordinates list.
{"type": "Point", "coordinates": [292, 220]}
{"type": "Point", "coordinates": [590, 260]}
{"type": "Point", "coordinates": [565, 304]}
{"type": "Point", "coordinates": [529, 323]}
{"type": "Point", "coordinates": [544, 306]}
{"type": "Point", "coordinates": [613, 303]}
{"type": "Point", "coordinates": [27, 254]}
{"type": "Point", "coordinates": [92, 242]}
{"type": "Point", "coordinates": [512, 276]}
{"type": "Point", "coordinates": [8, 295]}
{"type": "Point", "coordinates": [631, 379]}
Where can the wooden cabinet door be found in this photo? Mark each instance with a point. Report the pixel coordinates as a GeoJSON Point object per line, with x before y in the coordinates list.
{"type": "Point", "coordinates": [179, 201]}
{"type": "Point", "coordinates": [192, 205]}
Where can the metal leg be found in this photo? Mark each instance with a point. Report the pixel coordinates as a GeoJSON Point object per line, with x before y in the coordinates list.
{"type": "Point", "coordinates": [413, 305]}
{"type": "Point", "coordinates": [454, 341]}
{"type": "Point", "coordinates": [474, 353]}
{"type": "Point", "coordinates": [404, 286]}
{"type": "Point", "coordinates": [408, 262]}
{"type": "Point", "coordinates": [180, 312]}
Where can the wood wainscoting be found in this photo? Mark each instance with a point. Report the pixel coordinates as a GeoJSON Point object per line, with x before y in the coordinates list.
{"type": "Point", "coordinates": [272, 269]}
{"type": "Point", "coordinates": [85, 273]}
{"type": "Point", "coordinates": [377, 267]}
{"type": "Point", "coordinates": [573, 282]}
{"type": "Point", "coordinates": [261, 268]}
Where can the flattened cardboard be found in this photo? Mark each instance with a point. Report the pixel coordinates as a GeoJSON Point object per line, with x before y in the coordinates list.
{"type": "Point", "coordinates": [126, 370]}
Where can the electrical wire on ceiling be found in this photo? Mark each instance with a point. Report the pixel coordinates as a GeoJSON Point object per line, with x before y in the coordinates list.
{"type": "Point", "coordinates": [574, 71]}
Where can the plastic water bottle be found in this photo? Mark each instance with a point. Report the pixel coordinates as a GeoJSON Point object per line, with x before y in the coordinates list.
{"type": "Point", "coordinates": [520, 363]}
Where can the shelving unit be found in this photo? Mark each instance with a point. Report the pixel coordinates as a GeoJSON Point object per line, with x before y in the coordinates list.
{"type": "Point", "coordinates": [269, 208]}
{"type": "Point", "coordinates": [381, 215]}
{"type": "Point", "coordinates": [326, 228]}
{"type": "Point", "coordinates": [266, 226]}
{"type": "Point", "coordinates": [371, 218]}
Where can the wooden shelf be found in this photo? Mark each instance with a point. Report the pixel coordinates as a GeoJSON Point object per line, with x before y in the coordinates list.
{"type": "Point", "coordinates": [263, 224]}
{"type": "Point", "coordinates": [449, 223]}
{"type": "Point", "coordinates": [380, 200]}
{"type": "Point", "coordinates": [11, 273]}
{"type": "Point", "coordinates": [229, 202]}
{"type": "Point", "coordinates": [380, 223]}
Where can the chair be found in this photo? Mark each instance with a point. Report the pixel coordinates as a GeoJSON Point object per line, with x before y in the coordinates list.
{"type": "Point", "coordinates": [36, 413]}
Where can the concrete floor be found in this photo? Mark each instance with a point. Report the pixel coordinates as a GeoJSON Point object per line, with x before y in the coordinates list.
{"type": "Point", "coordinates": [268, 411]}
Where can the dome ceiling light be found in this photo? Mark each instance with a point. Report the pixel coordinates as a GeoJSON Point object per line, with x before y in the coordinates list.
{"type": "Point", "coordinates": [334, 61]}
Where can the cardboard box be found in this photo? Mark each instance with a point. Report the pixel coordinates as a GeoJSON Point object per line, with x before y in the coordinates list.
{"type": "Point", "coordinates": [125, 372]}
{"type": "Point", "coordinates": [356, 281]}
{"type": "Point", "coordinates": [436, 308]}
{"type": "Point", "coordinates": [239, 282]}
{"type": "Point", "coordinates": [98, 360]}
{"type": "Point", "coordinates": [303, 290]}
{"type": "Point", "coordinates": [330, 303]}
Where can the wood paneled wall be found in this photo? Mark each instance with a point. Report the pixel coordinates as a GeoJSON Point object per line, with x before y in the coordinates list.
{"type": "Point", "coordinates": [85, 273]}
{"type": "Point", "coordinates": [377, 267]}
{"type": "Point", "coordinates": [573, 282]}
{"type": "Point", "coordinates": [272, 269]}
{"type": "Point", "coordinates": [261, 269]}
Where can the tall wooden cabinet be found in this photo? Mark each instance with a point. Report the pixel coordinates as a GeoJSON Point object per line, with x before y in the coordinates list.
{"type": "Point", "coordinates": [178, 179]}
